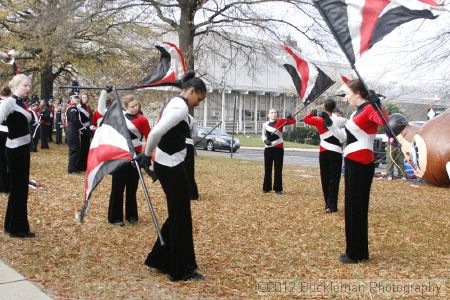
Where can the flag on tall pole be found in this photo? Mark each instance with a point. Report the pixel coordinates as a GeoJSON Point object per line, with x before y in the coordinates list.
{"type": "Point", "coordinates": [169, 70]}
{"type": "Point", "coordinates": [310, 81]}
{"type": "Point", "coordinates": [111, 149]}
{"type": "Point", "coordinates": [358, 24]}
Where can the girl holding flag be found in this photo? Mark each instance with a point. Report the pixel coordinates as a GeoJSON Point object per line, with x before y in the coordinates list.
{"type": "Point", "coordinates": [126, 179]}
{"type": "Point", "coordinates": [359, 134]}
{"type": "Point", "coordinates": [168, 139]}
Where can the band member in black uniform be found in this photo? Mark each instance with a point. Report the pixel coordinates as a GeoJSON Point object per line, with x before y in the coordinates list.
{"type": "Point", "coordinates": [272, 136]}
{"type": "Point", "coordinates": [4, 179]}
{"type": "Point", "coordinates": [45, 124]}
{"type": "Point", "coordinates": [59, 124]}
{"type": "Point", "coordinates": [51, 107]}
{"type": "Point", "coordinates": [85, 132]}
{"type": "Point", "coordinates": [168, 139]}
{"type": "Point", "coordinates": [330, 156]}
{"type": "Point", "coordinates": [17, 118]}
{"type": "Point", "coordinates": [73, 127]}
{"type": "Point", "coordinates": [189, 162]}
{"type": "Point", "coordinates": [35, 125]}
{"type": "Point", "coordinates": [359, 135]}
{"type": "Point", "coordinates": [126, 179]}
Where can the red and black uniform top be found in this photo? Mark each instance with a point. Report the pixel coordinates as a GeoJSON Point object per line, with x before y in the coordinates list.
{"type": "Point", "coordinates": [45, 116]}
{"type": "Point", "coordinates": [360, 131]}
{"type": "Point", "coordinates": [85, 115]}
{"type": "Point", "coordinates": [273, 131]}
{"type": "Point", "coordinates": [72, 120]}
{"type": "Point", "coordinates": [96, 118]}
{"type": "Point", "coordinates": [138, 127]}
{"type": "Point", "coordinates": [328, 141]}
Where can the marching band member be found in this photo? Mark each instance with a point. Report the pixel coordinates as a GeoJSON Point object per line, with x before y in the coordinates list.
{"type": "Point", "coordinates": [330, 156]}
{"type": "Point", "coordinates": [359, 135]}
{"type": "Point", "coordinates": [272, 136]}
{"type": "Point", "coordinates": [4, 178]}
{"type": "Point", "coordinates": [45, 124]}
{"type": "Point", "coordinates": [35, 123]}
{"type": "Point", "coordinates": [59, 124]}
{"type": "Point", "coordinates": [168, 139]}
{"type": "Point", "coordinates": [73, 127]}
{"type": "Point", "coordinates": [17, 118]}
{"type": "Point", "coordinates": [85, 132]}
{"type": "Point", "coordinates": [126, 179]}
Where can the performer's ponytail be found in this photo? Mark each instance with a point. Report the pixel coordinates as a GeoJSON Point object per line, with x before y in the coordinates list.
{"type": "Point", "coordinates": [189, 80]}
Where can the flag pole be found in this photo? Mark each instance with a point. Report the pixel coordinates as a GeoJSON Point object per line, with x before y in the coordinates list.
{"type": "Point", "coordinates": [352, 64]}
{"type": "Point", "coordinates": [207, 134]}
{"type": "Point", "coordinates": [150, 206]}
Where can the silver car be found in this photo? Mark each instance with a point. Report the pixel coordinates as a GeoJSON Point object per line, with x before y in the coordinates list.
{"type": "Point", "coordinates": [216, 139]}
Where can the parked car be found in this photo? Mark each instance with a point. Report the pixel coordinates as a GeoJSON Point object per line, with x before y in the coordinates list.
{"type": "Point", "coordinates": [217, 139]}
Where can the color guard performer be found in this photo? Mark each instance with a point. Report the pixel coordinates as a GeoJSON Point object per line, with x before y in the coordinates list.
{"type": "Point", "coordinates": [17, 118]}
{"type": "Point", "coordinates": [85, 132]}
{"type": "Point", "coordinates": [272, 136]}
{"type": "Point", "coordinates": [73, 127]}
{"type": "Point", "coordinates": [330, 156]}
{"type": "Point", "coordinates": [359, 135]}
{"type": "Point", "coordinates": [126, 179]}
{"type": "Point", "coordinates": [168, 139]}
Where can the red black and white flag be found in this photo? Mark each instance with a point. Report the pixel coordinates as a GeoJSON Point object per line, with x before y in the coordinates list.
{"type": "Point", "coordinates": [310, 81]}
{"type": "Point", "coordinates": [9, 58]}
{"type": "Point", "coordinates": [169, 70]}
{"type": "Point", "coordinates": [358, 24]}
{"type": "Point", "coordinates": [111, 149]}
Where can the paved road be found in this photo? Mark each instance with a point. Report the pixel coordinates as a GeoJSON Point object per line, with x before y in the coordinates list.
{"type": "Point", "coordinates": [298, 157]}
{"type": "Point", "coordinates": [291, 157]}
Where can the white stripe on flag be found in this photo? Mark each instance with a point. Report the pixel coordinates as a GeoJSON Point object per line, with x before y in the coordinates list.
{"type": "Point", "coordinates": [106, 134]}
{"type": "Point", "coordinates": [354, 15]}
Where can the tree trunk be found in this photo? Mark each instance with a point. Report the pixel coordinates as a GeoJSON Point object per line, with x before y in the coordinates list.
{"type": "Point", "coordinates": [186, 33]}
{"type": "Point", "coordinates": [47, 79]}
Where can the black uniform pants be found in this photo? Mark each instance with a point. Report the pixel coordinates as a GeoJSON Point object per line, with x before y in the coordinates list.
{"type": "Point", "coordinates": [358, 180]}
{"type": "Point", "coordinates": [330, 175]}
{"type": "Point", "coordinates": [85, 143]}
{"type": "Point", "coordinates": [176, 257]}
{"type": "Point", "coordinates": [125, 180]}
{"type": "Point", "coordinates": [189, 163]}
{"type": "Point", "coordinates": [45, 133]}
{"type": "Point", "coordinates": [73, 140]}
{"type": "Point", "coordinates": [4, 177]}
{"type": "Point", "coordinates": [273, 156]}
{"type": "Point", "coordinates": [18, 161]}
{"type": "Point", "coordinates": [35, 137]}
{"type": "Point", "coordinates": [59, 131]}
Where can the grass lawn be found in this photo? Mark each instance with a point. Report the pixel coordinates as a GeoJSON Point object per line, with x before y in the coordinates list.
{"type": "Point", "coordinates": [241, 235]}
{"type": "Point", "coordinates": [254, 140]}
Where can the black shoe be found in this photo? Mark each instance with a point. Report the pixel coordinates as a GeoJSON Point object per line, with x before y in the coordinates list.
{"type": "Point", "coordinates": [266, 191]}
{"type": "Point", "coordinates": [279, 193]}
{"type": "Point", "coordinates": [118, 223]}
{"type": "Point", "coordinates": [344, 259]}
{"type": "Point", "coordinates": [26, 235]}
{"type": "Point", "coordinates": [194, 275]}
{"type": "Point", "coordinates": [133, 220]}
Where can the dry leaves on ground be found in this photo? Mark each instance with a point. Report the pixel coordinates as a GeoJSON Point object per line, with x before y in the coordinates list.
{"type": "Point", "coordinates": [241, 235]}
